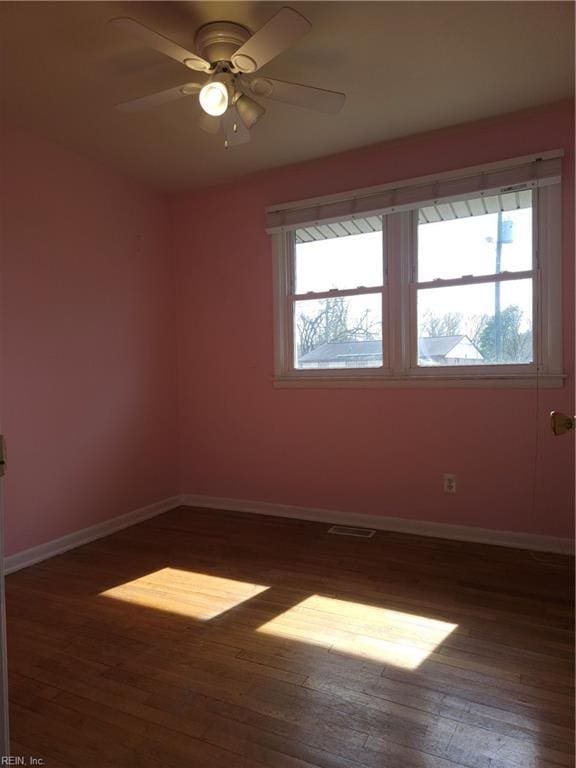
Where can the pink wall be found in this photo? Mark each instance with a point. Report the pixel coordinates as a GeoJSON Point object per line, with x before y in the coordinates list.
{"type": "Point", "coordinates": [89, 366]}
{"type": "Point", "coordinates": [378, 452]}
{"type": "Point", "coordinates": [88, 358]}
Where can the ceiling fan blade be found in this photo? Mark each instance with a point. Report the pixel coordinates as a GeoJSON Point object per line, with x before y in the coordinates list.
{"type": "Point", "coordinates": [162, 97]}
{"type": "Point", "coordinates": [209, 123]}
{"type": "Point", "coordinates": [235, 132]}
{"type": "Point", "coordinates": [160, 43]}
{"type": "Point", "coordinates": [299, 95]}
{"type": "Point", "coordinates": [279, 33]}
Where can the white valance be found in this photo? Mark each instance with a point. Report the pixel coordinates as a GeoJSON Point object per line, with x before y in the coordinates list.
{"type": "Point", "coordinates": [501, 178]}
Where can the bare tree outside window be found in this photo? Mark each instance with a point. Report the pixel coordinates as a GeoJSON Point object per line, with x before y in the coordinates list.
{"type": "Point", "coordinates": [330, 321]}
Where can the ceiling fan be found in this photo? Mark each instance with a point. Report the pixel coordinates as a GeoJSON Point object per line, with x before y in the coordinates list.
{"type": "Point", "coordinates": [231, 56]}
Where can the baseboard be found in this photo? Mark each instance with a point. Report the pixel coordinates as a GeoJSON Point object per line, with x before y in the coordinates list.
{"type": "Point", "coordinates": [397, 524]}
{"type": "Point", "coordinates": [70, 541]}
{"type": "Point", "coordinates": [400, 525]}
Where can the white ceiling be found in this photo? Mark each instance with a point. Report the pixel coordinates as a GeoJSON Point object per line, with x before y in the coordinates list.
{"type": "Point", "coordinates": [406, 67]}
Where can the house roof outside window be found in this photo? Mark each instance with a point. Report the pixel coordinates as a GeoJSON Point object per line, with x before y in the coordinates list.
{"type": "Point", "coordinates": [438, 350]}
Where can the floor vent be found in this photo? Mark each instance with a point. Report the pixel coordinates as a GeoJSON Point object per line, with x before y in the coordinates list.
{"type": "Point", "coordinates": [345, 530]}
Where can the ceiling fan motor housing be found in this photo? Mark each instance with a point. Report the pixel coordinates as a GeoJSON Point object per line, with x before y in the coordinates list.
{"type": "Point", "coordinates": [219, 40]}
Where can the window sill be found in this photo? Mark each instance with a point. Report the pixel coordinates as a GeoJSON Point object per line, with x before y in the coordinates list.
{"type": "Point", "coordinates": [446, 381]}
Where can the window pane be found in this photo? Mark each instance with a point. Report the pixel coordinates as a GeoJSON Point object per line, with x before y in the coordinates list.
{"type": "Point", "coordinates": [343, 332]}
{"type": "Point", "coordinates": [481, 244]}
{"type": "Point", "coordinates": [339, 262]}
{"type": "Point", "coordinates": [462, 325]}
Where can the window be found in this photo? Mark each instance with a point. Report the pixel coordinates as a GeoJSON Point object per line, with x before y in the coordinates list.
{"type": "Point", "coordinates": [452, 279]}
{"type": "Point", "coordinates": [475, 280]}
{"type": "Point", "coordinates": [337, 305]}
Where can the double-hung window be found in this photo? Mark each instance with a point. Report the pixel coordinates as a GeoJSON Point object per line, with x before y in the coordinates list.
{"type": "Point", "coordinates": [453, 279]}
{"type": "Point", "coordinates": [337, 304]}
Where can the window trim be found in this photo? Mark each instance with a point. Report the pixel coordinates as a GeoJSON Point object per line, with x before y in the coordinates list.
{"type": "Point", "coordinates": [399, 289]}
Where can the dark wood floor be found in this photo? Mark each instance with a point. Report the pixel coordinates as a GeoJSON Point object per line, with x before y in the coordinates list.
{"type": "Point", "coordinates": [206, 639]}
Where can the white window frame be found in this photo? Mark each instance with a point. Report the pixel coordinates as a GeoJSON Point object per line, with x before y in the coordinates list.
{"type": "Point", "coordinates": [286, 283]}
{"type": "Point", "coordinates": [399, 307]}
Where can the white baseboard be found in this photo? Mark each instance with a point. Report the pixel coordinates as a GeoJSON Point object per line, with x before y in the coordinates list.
{"type": "Point", "coordinates": [400, 525]}
{"type": "Point", "coordinates": [86, 535]}
{"type": "Point", "coordinates": [397, 524]}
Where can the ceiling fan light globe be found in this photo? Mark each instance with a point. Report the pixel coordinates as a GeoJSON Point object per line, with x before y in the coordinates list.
{"type": "Point", "coordinates": [262, 87]}
{"type": "Point", "coordinates": [214, 98]}
{"type": "Point", "coordinates": [249, 110]}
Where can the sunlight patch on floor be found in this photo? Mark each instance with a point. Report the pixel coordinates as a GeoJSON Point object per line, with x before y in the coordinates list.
{"type": "Point", "coordinates": [197, 595]}
{"type": "Point", "coordinates": [379, 634]}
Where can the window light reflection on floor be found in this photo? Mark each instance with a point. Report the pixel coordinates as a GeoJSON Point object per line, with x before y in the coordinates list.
{"type": "Point", "coordinates": [197, 595]}
{"type": "Point", "coordinates": [379, 634]}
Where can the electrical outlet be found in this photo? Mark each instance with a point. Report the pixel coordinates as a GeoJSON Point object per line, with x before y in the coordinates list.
{"type": "Point", "coordinates": [449, 483]}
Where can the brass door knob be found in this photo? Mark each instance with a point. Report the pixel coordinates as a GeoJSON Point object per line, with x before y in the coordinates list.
{"type": "Point", "coordinates": [561, 423]}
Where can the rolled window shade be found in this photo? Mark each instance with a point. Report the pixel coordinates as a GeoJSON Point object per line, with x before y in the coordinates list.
{"type": "Point", "coordinates": [495, 179]}
{"type": "Point", "coordinates": [428, 214]}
